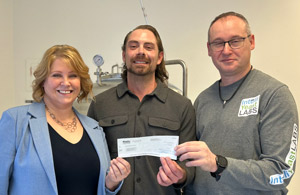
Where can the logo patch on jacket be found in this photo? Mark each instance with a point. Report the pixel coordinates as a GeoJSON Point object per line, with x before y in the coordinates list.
{"type": "Point", "coordinates": [249, 106]}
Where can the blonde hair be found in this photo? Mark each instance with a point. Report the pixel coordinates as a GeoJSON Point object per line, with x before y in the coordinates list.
{"type": "Point", "coordinates": [71, 56]}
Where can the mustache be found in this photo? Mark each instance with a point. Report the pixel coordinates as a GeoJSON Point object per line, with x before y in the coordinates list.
{"type": "Point", "coordinates": [139, 57]}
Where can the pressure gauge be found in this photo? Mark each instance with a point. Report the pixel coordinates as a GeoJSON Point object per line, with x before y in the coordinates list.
{"type": "Point", "coordinates": [98, 60]}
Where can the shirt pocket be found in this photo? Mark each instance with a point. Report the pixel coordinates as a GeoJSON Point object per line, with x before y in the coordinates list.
{"type": "Point", "coordinates": [114, 128]}
{"type": "Point", "coordinates": [113, 121]}
{"type": "Point", "coordinates": [161, 125]}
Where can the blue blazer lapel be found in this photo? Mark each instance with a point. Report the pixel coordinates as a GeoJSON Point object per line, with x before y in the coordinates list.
{"type": "Point", "coordinates": [41, 138]}
{"type": "Point", "coordinates": [97, 137]}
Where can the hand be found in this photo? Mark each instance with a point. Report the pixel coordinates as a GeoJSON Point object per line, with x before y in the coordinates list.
{"type": "Point", "coordinates": [170, 172]}
{"type": "Point", "coordinates": [198, 154]}
{"type": "Point", "coordinates": [119, 169]}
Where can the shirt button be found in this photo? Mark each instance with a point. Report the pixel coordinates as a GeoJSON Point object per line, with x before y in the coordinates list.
{"type": "Point", "coordinates": [139, 113]}
{"type": "Point", "coordinates": [112, 121]}
{"type": "Point", "coordinates": [138, 180]}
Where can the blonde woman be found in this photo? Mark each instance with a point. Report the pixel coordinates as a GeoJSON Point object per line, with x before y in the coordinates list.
{"type": "Point", "coordinates": [47, 147]}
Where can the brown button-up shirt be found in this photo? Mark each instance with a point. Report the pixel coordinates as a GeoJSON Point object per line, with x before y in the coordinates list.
{"type": "Point", "coordinates": [163, 112]}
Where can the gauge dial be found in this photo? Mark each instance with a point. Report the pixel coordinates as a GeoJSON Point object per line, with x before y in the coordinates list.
{"type": "Point", "coordinates": [98, 60]}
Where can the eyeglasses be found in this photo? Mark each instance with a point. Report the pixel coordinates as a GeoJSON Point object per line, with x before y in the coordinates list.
{"type": "Point", "coordinates": [235, 43]}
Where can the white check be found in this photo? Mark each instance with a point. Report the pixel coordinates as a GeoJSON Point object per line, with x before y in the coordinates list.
{"type": "Point", "coordinates": [160, 146]}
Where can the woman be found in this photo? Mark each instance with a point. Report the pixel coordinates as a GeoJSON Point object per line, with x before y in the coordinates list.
{"type": "Point", "coordinates": [48, 147]}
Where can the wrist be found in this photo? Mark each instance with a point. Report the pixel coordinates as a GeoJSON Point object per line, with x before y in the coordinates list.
{"type": "Point", "coordinates": [215, 165]}
{"type": "Point", "coordinates": [111, 185]}
{"type": "Point", "coordinates": [183, 179]}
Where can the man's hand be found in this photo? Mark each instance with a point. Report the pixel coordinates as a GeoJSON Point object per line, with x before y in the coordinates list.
{"type": "Point", "coordinates": [170, 172]}
{"type": "Point", "coordinates": [198, 154]}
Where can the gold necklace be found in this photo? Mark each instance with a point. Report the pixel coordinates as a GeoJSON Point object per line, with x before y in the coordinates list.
{"type": "Point", "coordinates": [69, 126]}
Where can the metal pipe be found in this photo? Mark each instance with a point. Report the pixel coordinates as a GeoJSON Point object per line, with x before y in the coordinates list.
{"type": "Point", "coordinates": [184, 73]}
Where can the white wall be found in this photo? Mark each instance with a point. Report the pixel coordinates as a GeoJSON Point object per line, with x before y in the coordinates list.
{"type": "Point", "coordinates": [99, 26]}
{"type": "Point", "coordinates": [7, 77]}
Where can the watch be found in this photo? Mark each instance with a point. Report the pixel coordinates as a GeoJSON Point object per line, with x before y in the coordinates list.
{"type": "Point", "coordinates": [221, 164]}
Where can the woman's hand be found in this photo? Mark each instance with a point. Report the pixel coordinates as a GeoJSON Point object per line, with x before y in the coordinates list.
{"type": "Point", "coordinates": [118, 170]}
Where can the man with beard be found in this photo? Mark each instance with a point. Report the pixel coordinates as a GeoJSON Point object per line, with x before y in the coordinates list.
{"type": "Point", "coordinates": [143, 105]}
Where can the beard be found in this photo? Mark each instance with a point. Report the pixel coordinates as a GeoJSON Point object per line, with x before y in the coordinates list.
{"type": "Point", "coordinates": [140, 71]}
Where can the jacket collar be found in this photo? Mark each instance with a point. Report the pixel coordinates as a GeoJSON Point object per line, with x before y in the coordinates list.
{"type": "Point", "coordinates": [161, 91]}
{"type": "Point", "coordinates": [41, 138]}
{"type": "Point", "coordinates": [40, 135]}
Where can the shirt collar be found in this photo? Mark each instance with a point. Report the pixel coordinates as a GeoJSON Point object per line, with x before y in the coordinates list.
{"type": "Point", "coordinates": [160, 91]}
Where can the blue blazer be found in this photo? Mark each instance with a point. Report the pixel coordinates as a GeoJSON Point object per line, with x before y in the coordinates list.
{"type": "Point", "coordinates": [26, 162]}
